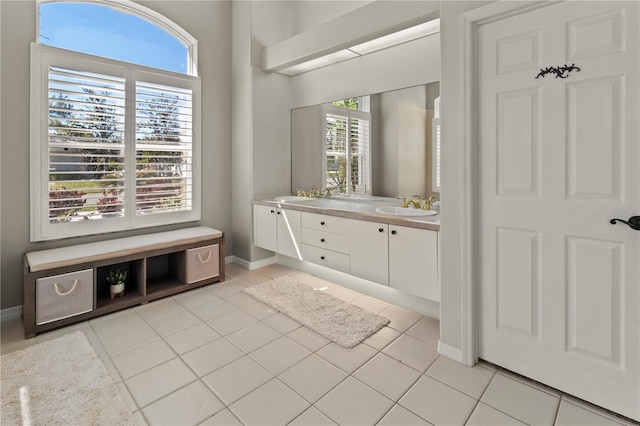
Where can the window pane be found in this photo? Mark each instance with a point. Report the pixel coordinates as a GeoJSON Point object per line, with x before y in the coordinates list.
{"type": "Point", "coordinates": [164, 162]}
{"type": "Point", "coordinates": [106, 32]}
{"type": "Point", "coordinates": [86, 145]}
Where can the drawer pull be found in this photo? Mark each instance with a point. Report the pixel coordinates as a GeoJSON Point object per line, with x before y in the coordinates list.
{"type": "Point", "coordinates": [321, 257]}
{"type": "Point", "coordinates": [322, 223]}
{"type": "Point", "coordinates": [322, 240]}
{"type": "Point", "coordinates": [273, 211]}
{"type": "Point", "coordinates": [394, 232]}
{"type": "Point", "coordinates": [380, 229]}
{"type": "Point", "coordinates": [204, 260]}
{"type": "Point", "coordinates": [60, 293]}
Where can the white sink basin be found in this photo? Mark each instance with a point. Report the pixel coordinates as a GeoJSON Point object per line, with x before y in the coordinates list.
{"type": "Point", "coordinates": [292, 199]}
{"type": "Point", "coordinates": [401, 211]}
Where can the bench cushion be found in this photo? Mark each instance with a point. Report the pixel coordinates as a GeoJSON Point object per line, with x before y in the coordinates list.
{"type": "Point", "coordinates": [65, 256]}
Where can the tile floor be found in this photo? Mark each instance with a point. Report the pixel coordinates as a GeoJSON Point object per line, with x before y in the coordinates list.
{"type": "Point", "coordinates": [216, 356]}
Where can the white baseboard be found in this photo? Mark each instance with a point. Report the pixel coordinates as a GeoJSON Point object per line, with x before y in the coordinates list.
{"type": "Point", "coordinates": [253, 265]}
{"type": "Point", "coordinates": [450, 352]}
{"type": "Point", "coordinates": [229, 259]}
{"type": "Point", "coordinates": [11, 313]}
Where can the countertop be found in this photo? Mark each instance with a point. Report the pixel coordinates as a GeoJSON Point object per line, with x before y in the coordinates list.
{"type": "Point", "coordinates": [355, 207]}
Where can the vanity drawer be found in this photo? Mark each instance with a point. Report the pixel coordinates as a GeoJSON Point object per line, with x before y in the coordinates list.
{"type": "Point", "coordinates": [202, 263]}
{"type": "Point", "coordinates": [63, 296]}
{"type": "Point", "coordinates": [321, 222]}
{"type": "Point", "coordinates": [327, 240]}
{"type": "Point", "coordinates": [324, 257]}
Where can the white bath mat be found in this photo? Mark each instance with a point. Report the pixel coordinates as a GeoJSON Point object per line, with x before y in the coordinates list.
{"type": "Point", "coordinates": [60, 382]}
{"type": "Point", "coordinates": [337, 320]}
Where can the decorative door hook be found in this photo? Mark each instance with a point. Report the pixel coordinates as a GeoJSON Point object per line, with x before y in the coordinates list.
{"type": "Point", "coordinates": [558, 71]}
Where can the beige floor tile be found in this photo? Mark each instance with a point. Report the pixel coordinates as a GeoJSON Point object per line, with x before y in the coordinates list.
{"type": "Point", "coordinates": [401, 319]}
{"type": "Point", "coordinates": [190, 405]}
{"type": "Point", "coordinates": [573, 415]}
{"type": "Point", "coordinates": [240, 300]}
{"type": "Point", "coordinates": [116, 323]}
{"type": "Point", "coordinates": [254, 279]}
{"type": "Point", "coordinates": [312, 377]}
{"type": "Point", "coordinates": [142, 358]}
{"type": "Point", "coordinates": [312, 417]}
{"type": "Point", "coordinates": [233, 321]}
{"type": "Point", "coordinates": [259, 310]}
{"type": "Point", "coordinates": [400, 416]}
{"type": "Point", "coordinates": [275, 270]}
{"type": "Point", "coordinates": [438, 403]}
{"type": "Point", "coordinates": [598, 410]}
{"type": "Point", "coordinates": [139, 418]}
{"type": "Point", "coordinates": [348, 360]}
{"type": "Point", "coordinates": [471, 380]}
{"type": "Point", "coordinates": [281, 323]}
{"type": "Point", "coordinates": [226, 289]}
{"type": "Point", "coordinates": [237, 379]}
{"type": "Point", "coordinates": [524, 402]}
{"type": "Point", "coordinates": [129, 339]}
{"type": "Point", "coordinates": [271, 404]}
{"type": "Point", "coordinates": [174, 323]}
{"type": "Point", "coordinates": [159, 381]}
{"type": "Point", "coordinates": [210, 357]}
{"type": "Point", "coordinates": [194, 298]}
{"type": "Point", "coordinates": [213, 309]}
{"type": "Point", "coordinates": [344, 294]}
{"type": "Point", "coordinates": [413, 352]}
{"type": "Point", "coordinates": [353, 403]}
{"type": "Point", "coordinates": [387, 375]}
{"type": "Point", "coordinates": [223, 418]}
{"type": "Point", "coordinates": [159, 309]}
{"type": "Point", "coordinates": [233, 271]}
{"type": "Point", "coordinates": [253, 337]}
{"type": "Point", "coordinates": [279, 355]}
{"type": "Point", "coordinates": [427, 330]}
{"type": "Point", "coordinates": [483, 415]}
{"type": "Point", "coordinates": [126, 396]}
{"type": "Point", "coordinates": [370, 304]}
{"type": "Point", "coordinates": [382, 338]}
{"type": "Point", "coordinates": [308, 338]}
{"type": "Point", "coordinates": [191, 338]}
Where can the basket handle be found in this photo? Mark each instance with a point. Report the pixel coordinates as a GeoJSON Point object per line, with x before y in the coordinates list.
{"type": "Point", "coordinates": [204, 260]}
{"type": "Point", "coordinates": [59, 293]}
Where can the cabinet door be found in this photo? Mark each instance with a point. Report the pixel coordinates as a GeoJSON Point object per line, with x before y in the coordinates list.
{"type": "Point", "coordinates": [369, 251]}
{"type": "Point", "coordinates": [413, 261]}
{"type": "Point", "coordinates": [288, 233]}
{"type": "Point", "coordinates": [264, 227]}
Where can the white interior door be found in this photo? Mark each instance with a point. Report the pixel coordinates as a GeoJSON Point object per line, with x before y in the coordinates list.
{"type": "Point", "coordinates": [558, 158]}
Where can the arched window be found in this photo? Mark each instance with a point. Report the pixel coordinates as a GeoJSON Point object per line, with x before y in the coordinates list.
{"type": "Point", "coordinates": [115, 120]}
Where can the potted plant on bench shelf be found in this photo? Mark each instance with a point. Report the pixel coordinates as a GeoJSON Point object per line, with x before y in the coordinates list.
{"type": "Point", "coordinates": [116, 280]}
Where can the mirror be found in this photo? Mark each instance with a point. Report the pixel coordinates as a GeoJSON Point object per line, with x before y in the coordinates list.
{"type": "Point", "coordinates": [401, 150]}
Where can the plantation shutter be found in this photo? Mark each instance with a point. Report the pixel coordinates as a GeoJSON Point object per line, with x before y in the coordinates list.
{"type": "Point", "coordinates": [347, 165]}
{"type": "Point", "coordinates": [114, 146]}
{"type": "Point", "coordinates": [164, 148]}
{"type": "Point", "coordinates": [85, 144]}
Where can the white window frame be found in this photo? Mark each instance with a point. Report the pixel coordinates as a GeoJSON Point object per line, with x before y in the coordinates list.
{"type": "Point", "coordinates": [41, 229]}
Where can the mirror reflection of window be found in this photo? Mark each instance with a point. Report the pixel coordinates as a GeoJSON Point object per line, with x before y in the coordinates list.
{"type": "Point", "coordinates": [435, 145]}
{"type": "Point", "coordinates": [346, 149]}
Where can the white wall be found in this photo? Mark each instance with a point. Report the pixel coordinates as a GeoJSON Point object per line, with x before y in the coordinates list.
{"type": "Point", "coordinates": [210, 24]}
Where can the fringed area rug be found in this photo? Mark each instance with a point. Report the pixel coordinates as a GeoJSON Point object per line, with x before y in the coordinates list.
{"type": "Point", "coordinates": [60, 382]}
{"type": "Point", "coordinates": [339, 321]}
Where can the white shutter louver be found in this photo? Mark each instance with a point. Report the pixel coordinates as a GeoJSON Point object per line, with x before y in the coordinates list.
{"type": "Point", "coordinates": [85, 145]}
{"type": "Point", "coordinates": [164, 148]}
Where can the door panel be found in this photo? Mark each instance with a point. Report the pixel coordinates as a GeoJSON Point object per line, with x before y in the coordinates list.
{"type": "Point", "coordinates": [558, 158]}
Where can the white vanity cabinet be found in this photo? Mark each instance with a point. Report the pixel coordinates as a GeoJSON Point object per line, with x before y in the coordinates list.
{"type": "Point", "coordinates": [413, 261]}
{"type": "Point", "coordinates": [369, 256]}
{"type": "Point", "coordinates": [277, 229]}
{"type": "Point", "coordinates": [325, 240]}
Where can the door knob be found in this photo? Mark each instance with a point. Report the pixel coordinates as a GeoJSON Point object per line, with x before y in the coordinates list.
{"type": "Point", "coordinates": [633, 222]}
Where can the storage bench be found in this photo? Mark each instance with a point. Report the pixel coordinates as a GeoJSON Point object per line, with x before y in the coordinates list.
{"type": "Point", "coordinates": [69, 284]}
